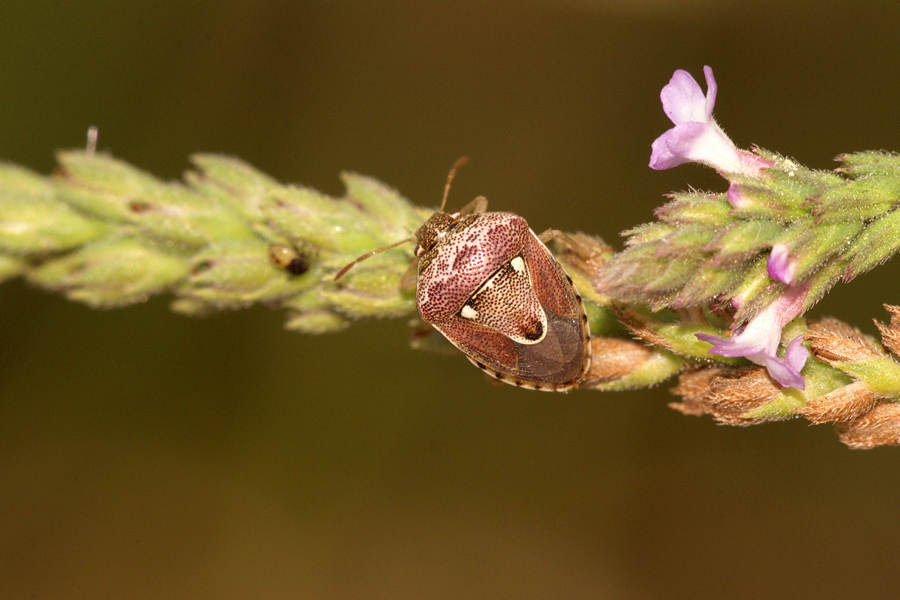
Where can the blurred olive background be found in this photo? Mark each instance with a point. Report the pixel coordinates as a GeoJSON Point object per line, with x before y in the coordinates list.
{"type": "Point", "coordinates": [147, 455]}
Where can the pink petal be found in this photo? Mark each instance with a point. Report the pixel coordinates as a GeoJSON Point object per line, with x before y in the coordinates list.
{"type": "Point", "coordinates": [661, 156]}
{"type": "Point", "coordinates": [780, 266]}
{"type": "Point", "coordinates": [683, 100]}
{"type": "Point", "coordinates": [711, 90]}
{"type": "Point", "coordinates": [784, 373]}
{"type": "Point", "coordinates": [796, 354]}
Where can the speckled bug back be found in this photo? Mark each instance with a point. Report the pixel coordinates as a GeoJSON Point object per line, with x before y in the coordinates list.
{"type": "Point", "coordinates": [459, 257]}
{"type": "Point", "coordinates": [493, 289]}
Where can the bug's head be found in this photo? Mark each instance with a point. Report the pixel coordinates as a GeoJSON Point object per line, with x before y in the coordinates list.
{"type": "Point", "coordinates": [440, 222]}
{"type": "Point", "coordinates": [436, 227]}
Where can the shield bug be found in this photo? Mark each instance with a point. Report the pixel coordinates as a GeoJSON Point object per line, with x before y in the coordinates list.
{"type": "Point", "coordinates": [494, 290]}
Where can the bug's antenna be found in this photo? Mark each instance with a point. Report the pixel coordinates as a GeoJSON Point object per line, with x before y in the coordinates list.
{"type": "Point", "coordinates": [368, 255]}
{"type": "Point", "coordinates": [459, 163]}
{"type": "Point", "coordinates": [456, 166]}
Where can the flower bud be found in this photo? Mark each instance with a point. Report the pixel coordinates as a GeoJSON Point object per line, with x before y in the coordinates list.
{"type": "Point", "coordinates": [112, 273]}
{"type": "Point", "coordinates": [879, 427]}
{"type": "Point", "coordinates": [841, 405]}
{"type": "Point", "coordinates": [890, 334]}
{"type": "Point", "coordinates": [731, 396]}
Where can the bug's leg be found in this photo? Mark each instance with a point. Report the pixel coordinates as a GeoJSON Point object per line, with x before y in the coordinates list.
{"type": "Point", "coordinates": [425, 337]}
{"type": "Point", "coordinates": [580, 251]}
{"type": "Point", "coordinates": [408, 279]}
{"type": "Point", "coordinates": [476, 206]}
{"type": "Point", "coordinates": [585, 246]}
{"type": "Point", "coordinates": [577, 243]}
{"type": "Point", "coordinates": [551, 234]}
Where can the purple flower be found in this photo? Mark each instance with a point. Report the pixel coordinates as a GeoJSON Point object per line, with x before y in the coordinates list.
{"type": "Point", "coordinates": [781, 267]}
{"type": "Point", "coordinates": [736, 197]}
{"type": "Point", "coordinates": [759, 338]}
{"type": "Point", "coordinates": [696, 137]}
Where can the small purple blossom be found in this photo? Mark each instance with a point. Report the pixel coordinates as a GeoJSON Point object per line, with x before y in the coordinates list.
{"type": "Point", "coordinates": [781, 267]}
{"type": "Point", "coordinates": [696, 136]}
{"type": "Point", "coordinates": [759, 338]}
{"type": "Point", "coordinates": [736, 197]}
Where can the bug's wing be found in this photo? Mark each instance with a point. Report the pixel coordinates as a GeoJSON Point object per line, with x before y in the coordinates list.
{"type": "Point", "coordinates": [485, 346]}
{"type": "Point", "coordinates": [557, 362]}
{"type": "Point", "coordinates": [552, 285]}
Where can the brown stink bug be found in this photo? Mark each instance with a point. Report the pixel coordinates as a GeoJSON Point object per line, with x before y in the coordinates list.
{"type": "Point", "coordinates": [492, 288]}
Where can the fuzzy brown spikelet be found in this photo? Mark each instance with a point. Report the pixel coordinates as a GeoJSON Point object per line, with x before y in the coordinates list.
{"type": "Point", "coordinates": [614, 358]}
{"type": "Point", "coordinates": [879, 427]}
{"type": "Point", "coordinates": [728, 395]}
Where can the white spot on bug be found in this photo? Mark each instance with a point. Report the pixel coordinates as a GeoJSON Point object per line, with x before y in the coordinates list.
{"type": "Point", "coordinates": [468, 312]}
{"type": "Point", "coordinates": [518, 263]}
